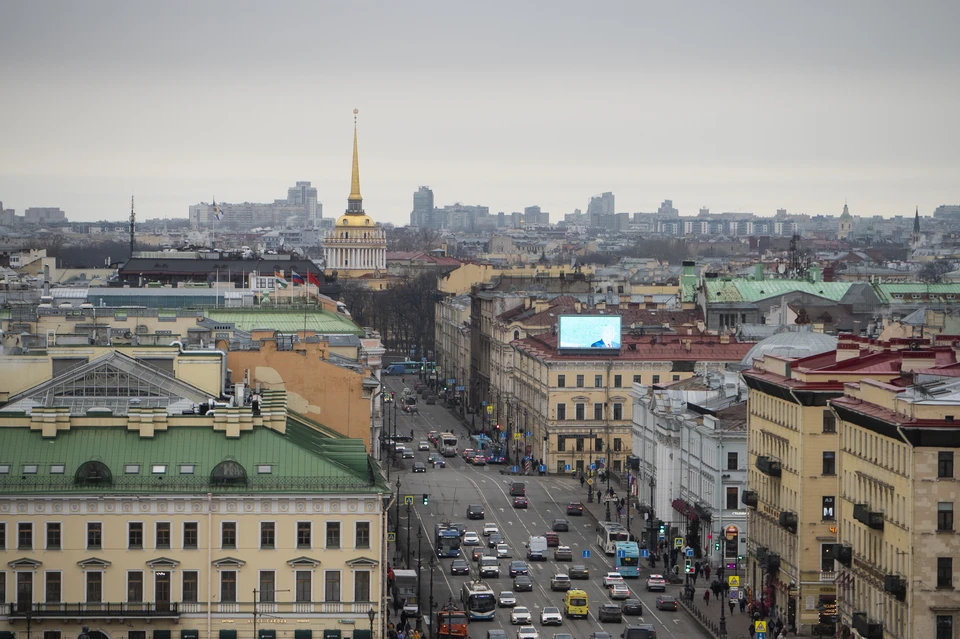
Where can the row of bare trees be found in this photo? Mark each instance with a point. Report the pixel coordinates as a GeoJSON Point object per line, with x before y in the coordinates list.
{"type": "Point", "coordinates": [403, 314]}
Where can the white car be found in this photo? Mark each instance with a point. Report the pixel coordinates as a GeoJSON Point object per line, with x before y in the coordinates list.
{"type": "Point", "coordinates": [504, 552]}
{"type": "Point", "coordinates": [610, 578]}
{"type": "Point", "coordinates": [619, 591]}
{"type": "Point", "coordinates": [520, 615]}
{"type": "Point", "coordinates": [656, 582]}
{"type": "Point", "coordinates": [470, 539]}
{"type": "Point", "coordinates": [550, 616]}
{"type": "Point", "coordinates": [489, 529]}
{"type": "Point", "coordinates": [424, 446]}
{"type": "Point", "coordinates": [507, 599]}
{"type": "Point", "coordinates": [527, 632]}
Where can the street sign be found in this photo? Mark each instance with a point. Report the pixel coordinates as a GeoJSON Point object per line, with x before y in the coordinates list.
{"type": "Point", "coordinates": [760, 626]}
{"type": "Point", "coordinates": [585, 554]}
{"type": "Point", "coordinates": [645, 553]}
{"type": "Point", "coordinates": [408, 500]}
{"type": "Point", "coordinates": [391, 537]}
{"type": "Point", "coordinates": [621, 554]}
{"type": "Point", "coordinates": [483, 403]}
{"type": "Point", "coordinates": [543, 468]}
{"type": "Point", "coordinates": [514, 469]}
{"type": "Point", "coordinates": [731, 532]}
{"type": "Point", "coordinates": [761, 635]}
{"type": "Point", "coordinates": [689, 552]}
{"type": "Point", "coordinates": [503, 436]}
{"type": "Point", "coordinates": [452, 380]}
{"type": "Point", "coordinates": [490, 409]}
{"type": "Point", "coordinates": [663, 537]}
{"type": "Point", "coordinates": [566, 468]}
{"type": "Point", "coordinates": [517, 437]}
{"type": "Point", "coordinates": [734, 581]}
{"type": "Point", "coordinates": [423, 359]}
{"type": "Point", "coordinates": [528, 434]}
{"type": "Point", "coordinates": [459, 389]}
{"type": "Point", "coordinates": [593, 466]}
{"type": "Point", "coordinates": [678, 542]}
{"type": "Point", "coordinates": [590, 481]}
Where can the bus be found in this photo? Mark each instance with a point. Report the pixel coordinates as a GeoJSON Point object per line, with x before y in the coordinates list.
{"type": "Point", "coordinates": [452, 622]}
{"type": "Point", "coordinates": [447, 444]}
{"type": "Point", "coordinates": [628, 559]}
{"type": "Point", "coordinates": [492, 451]}
{"type": "Point", "coordinates": [403, 368]}
{"type": "Point", "coordinates": [447, 539]}
{"type": "Point", "coordinates": [478, 600]}
{"type": "Point", "coordinates": [608, 534]}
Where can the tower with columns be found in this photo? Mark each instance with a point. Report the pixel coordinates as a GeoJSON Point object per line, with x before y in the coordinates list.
{"type": "Point", "coordinates": [356, 246]}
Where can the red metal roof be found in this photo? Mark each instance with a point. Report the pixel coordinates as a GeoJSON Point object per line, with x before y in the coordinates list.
{"type": "Point", "coordinates": [643, 348]}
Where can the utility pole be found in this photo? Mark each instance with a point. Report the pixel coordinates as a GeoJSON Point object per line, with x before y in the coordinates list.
{"type": "Point", "coordinates": [419, 566]}
{"type": "Point", "coordinates": [433, 561]}
{"type": "Point", "coordinates": [407, 554]}
{"type": "Point", "coordinates": [133, 220]}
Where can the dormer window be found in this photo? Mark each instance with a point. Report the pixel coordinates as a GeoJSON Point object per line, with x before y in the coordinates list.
{"type": "Point", "coordinates": [29, 469]}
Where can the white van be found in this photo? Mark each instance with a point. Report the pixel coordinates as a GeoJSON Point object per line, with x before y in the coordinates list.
{"type": "Point", "coordinates": [537, 549]}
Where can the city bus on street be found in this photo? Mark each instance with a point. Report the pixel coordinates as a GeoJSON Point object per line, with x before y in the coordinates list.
{"type": "Point", "coordinates": [447, 540]}
{"type": "Point", "coordinates": [628, 559]}
{"type": "Point", "coordinates": [447, 444]}
{"type": "Point", "coordinates": [403, 368]}
{"type": "Point", "coordinates": [492, 451]}
{"type": "Point", "coordinates": [478, 600]}
{"type": "Point", "coordinates": [608, 534]}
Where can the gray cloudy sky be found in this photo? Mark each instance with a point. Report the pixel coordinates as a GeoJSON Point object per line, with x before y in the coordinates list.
{"type": "Point", "coordinates": [739, 106]}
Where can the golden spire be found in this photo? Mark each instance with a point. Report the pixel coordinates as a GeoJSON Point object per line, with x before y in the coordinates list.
{"type": "Point", "coordinates": [355, 179]}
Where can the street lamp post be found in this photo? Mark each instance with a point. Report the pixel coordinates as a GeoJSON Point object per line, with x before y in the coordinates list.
{"type": "Point", "coordinates": [433, 561]}
{"type": "Point", "coordinates": [589, 469]}
{"type": "Point", "coordinates": [407, 553]}
{"type": "Point", "coordinates": [397, 523]}
{"type": "Point", "coordinates": [419, 565]}
{"type": "Point", "coordinates": [370, 615]}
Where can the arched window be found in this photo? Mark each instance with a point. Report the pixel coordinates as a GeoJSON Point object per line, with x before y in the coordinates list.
{"type": "Point", "coordinates": [93, 472]}
{"type": "Point", "coordinates": [229, 473]}
{"type": "Point", "coordinates": [516, 335]}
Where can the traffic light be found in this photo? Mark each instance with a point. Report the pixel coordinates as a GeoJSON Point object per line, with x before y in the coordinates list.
{"type": "Point", "coordinates": [716, 546]}
{"type": "Point", "coordinates": [393, 394]}
{"type": "Point", "coordinates": [426, 499]}
{"type": "Point", "coordinates": [688, 566]}
{"type": "Point", "coordinates": [663, 527]}
{"type": "Point", "coordinates": [498, 426]}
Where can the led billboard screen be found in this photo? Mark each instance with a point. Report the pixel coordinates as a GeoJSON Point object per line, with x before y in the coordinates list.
{"type": "Point", "coordinates": [589, 332]}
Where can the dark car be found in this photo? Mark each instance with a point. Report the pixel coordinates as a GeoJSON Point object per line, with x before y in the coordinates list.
{"type": "Point", "coordinates": [419, 467]}
{"type": "Point", "coordinates": [639, 631]}
{"type": "Point", "coordinates": [575, 508]}
{"type": "Point", "coordinates": [494, 539]}
{"type": "Point", "coordinates": [474, 511]}
{"type": "Point", "coordinates": [518, 489]}
{"type": "Point", "coordinates": [610, 612]}
{"type": "Point", "coordinates": [633, 607]}
{"type": "Point", "coordinates": [579, 571]}
{"type": "Point", "coordinates": [523, 583]}
{"type": "Point", "coordinates": [520, 502]}
{"type": "Point", "coordinates": [459, 567]}
{"type": "Point", "coordinates": [518, 568]}
{"type": "Point", "coordinates": [561, 525]}
{"type": "Point", "coordinates": [600, 635]}
{"type": "Point", "coordinates": [431, 399]}
{"type": "Point", "coordinates": [666, 602]}
{"type": "Point", "coordinates": [461, 528]}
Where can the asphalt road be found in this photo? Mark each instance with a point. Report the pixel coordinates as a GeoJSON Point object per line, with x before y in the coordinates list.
{"type": "Point", "coordinates": [453, 488]}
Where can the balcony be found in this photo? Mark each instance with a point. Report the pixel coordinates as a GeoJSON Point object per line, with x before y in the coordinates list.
{"type": "Point", "coordinates": [896, 586]}
{"type": "Point", "coordinates": [773, 563]}
{"type": "Point", "coordinates": [762, 553]}
{"type": "Point", "coordinates": [161, 610]}
{"type": "Point", "coordinates": [843, 553]}
{"type": "Point", "coordinates": [869, 518]}
{"type": "Point", "coordinates": [867, 629]}
{"type": "Point", "coordinates": [769, 467]}
{"type": "Point", "coordinates": [789, 521]}
{"type": "Point", "coordinates": [749, 498]}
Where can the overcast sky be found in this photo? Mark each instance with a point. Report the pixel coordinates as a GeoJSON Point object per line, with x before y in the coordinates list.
{"type": "Point", "coordinates": [738, 106]}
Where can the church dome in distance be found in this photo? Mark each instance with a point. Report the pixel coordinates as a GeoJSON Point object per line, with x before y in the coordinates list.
{"type": "Point", "coordinates": [794, 343]}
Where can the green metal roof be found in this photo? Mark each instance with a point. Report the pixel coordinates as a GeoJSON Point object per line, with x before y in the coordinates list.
{"type": "Point", "coordinates": [302, 460]}
{"type": "Point", "coordinates": [886, 291]}
{"type": "Point", "coordinates": [688, 291]}
{"type": "Point", "coordinates": [285, 321]}
{"type": "Point", "coordinates": [741, 290]}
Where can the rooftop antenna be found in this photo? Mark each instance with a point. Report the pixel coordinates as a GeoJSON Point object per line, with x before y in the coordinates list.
{"type": "Point", "coordinates": [133, 221]}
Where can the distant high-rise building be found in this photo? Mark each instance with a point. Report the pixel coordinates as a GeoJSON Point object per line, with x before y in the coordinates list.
{"type": "Point", "coordinates": [602, 204]}
{"type": "Point", "coordinates": [667, 209]}
{"type": "Point", "coordinates": [533, 216]}
{"type": "Point", "coordinates": [704, 212]}
{"type": "Point", "coordinates": [306, 196]}
{"type": "Point", "coordinates": [422, 207]}
{"type": "Point", "coordinates": [44, 215]}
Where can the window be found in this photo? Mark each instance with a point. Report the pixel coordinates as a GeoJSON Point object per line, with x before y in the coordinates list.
{"type": "Point", "coordinates": [617, 444]}
{"type": "Point", "coordinates": [264, 469]}
{"type": "Point", "coordinates": [53, 535]}
{"type": "Point", "coordinates": [303, 582]}
{"type": "Point", "coordinates": [158, 469]}
{"type": "Point", "coordinates": [3, 537]}
{"type": "Point", "coordinates": [733, 461]}
{"type": "Point", "coordinates": [24, 591]}
{"type": "Point", "coordinates": [732, 497]}
{"type": "Point", "coordinates": [945, 465]}
{"type": "Point", "coordinates": [636, 379]}
{"type": "Point", "coordinates": [187, 469]}
{"type": "Point", "coordinates": [944, 627]}
{"type": "Point", "coordinates": [561, 381]}
{"type": "Point", "coordinates": [137, 634]}
{"type": "Point", "coordinates": [617, 381]}
{"type": "Point", "coordinates": [191, 586]}
{"type": "Point", "coordinates": [55, 634]}
{"type": "Point", "coordinates": [561, 444]}
{"type": "Point", "coordinates": [4, 469]}
{"type": "Point", "coordinates": [362, 535]}
{"type": "Point", "coordinates": [94, 587]}
{"type": "Point", "coordinates": [303, 534]}
{"type": "Point", "coordinates": [94, 535]}
{"type": "Point", "coordinates": [580, 444]}
{"type": "Point", "coordinates": [829, 422]}
{"type": "Point", "coordinates": [268, 586]}
{"type": "Point", "coordinates": [228, 586]}
{"type": "Point", "coordinates": [580, 412]}
{"type": "Point", "coordinates": [53, 587]}
{"type": "Point", "coordinates": [190, 535]}
{"type": "Point", "coordinates": [163, 534]}
{"type": "Point", "coordinates": [617, 411]}
{"type": "Point", "coordinates": [228, 534]}
{"type": "Point", "coordinates": [598, 444]}
{"type": "Point", "coordinates": [826, 558]}
{"type": "Point", "coordinates": [24, 536]}
{"type": "Point", "coordinates": [361, 585]}
{"type": "Point", "coordinates": [131, 469]}
{"type": "Point", "coordinates": [656, 379]}
{"type": "Point", "coordinates": [945, 572]}
{"type": "Point", "coordinates": [676, 378]}
{"type": "Point", "coordinates": [333, 534]}
{"type": "Point", "coordinates": [134, 586]}
{"type": "Point", "coordinates": [579, 381]}
{"type": "Point", "coordinates": [30, 469]}
{"type": "Point", "coordinates": [829, 462]}
{"type": "Point", "coordinates": [945, 516]}
{"type": "Point", "coordinates": [135, 534]}
{"type": "Point", "coordinates": [598, 381]}
{"type": "Point", "coordinates": [268, 532]}
{"type": "Point", "coordinates": [331, 590]}
{"type": "Point", "coordinates": [598, 412]}
{"type": "Point", "coordinates": [57, 469]}
{"type": "Point", "coordinates": [829, 507]}
{"type": "Point", "coordinates": [561, 412]}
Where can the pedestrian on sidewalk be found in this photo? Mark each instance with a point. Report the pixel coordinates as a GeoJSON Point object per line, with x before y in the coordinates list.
{"type": "Point", "coordinates": [706, 572]}
{"type": "Point", "coordinates": [706, 596]}
{"type": "Point", "coordinates": [732, 606]}
{"type": "Point", "coordinates": [751, 629]}
{"type": "Point", "coordinates": [743, 603]}
{"type": "Point", "coordinates": [582, 480]}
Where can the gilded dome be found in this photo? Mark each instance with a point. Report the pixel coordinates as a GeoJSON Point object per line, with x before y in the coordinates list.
{"type": "Point", "coordinates": [353, 220]}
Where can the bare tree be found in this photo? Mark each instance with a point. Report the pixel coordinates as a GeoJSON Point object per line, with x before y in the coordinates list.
{"type": "Point", "coordinates": [934, 272]}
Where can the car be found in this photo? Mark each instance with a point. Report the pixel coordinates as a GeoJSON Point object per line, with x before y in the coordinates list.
{"type": "Point", "coordinates": [432, 436]}
{"type": "Point", "coordinates": [579, 571]}
{"type": "Point", "coordinates": [553, 539]}
{"type": "Point", "coordinates": [523, 583]}
{"type": "Point", "coordinates": [666, 602]}
{"type": "Point", "coordinates": [494, 539]}
{"type": "Point", "coordinates": [467, 454]}
{"type": "Point", "coordinates": [459, 567]}
{"type": "Point", "coordinates": [518, 489]}
{"type": "Point", "coordinates": [633, 607]}
{"type": "Point", "coordinates": [477, 553]}
{"type": "Point", "coordinates": [496, 633]}
{"type": "Point", "coordinates": [520, 615]}
{"type": "Point", "coordinates": [527, 632]}
{"type": "Point", "coordinates": [471, 539]}
{"type": "Point", "coordinates": [407, 453]}
{"type": "Point", "coordinates": [437, 460]}
{"type": "Point", "coordinates": [424, 392]}
{"type": "Point", "coordinates": [504, 552]}
{"type": "Point", "coordinates": [403, 438]}
{"type": "Point", "coordinates": [423, 446]}
{"type": "Point", "coordinates": [411, 407]}
{"type": "Point", "coordinates": [560, 581]}
{"type": "Point", "coordinates": [610, 612]}
{"type": "Point", "coordinates": [550, 616]}
{"type": "Point", "coordinates": [656, 582]}
{"type": "Point", "coordinates": [562, 635]}
{"type": "Point", "coordinates": [612, 578]}
{"type": "Point", "coordinates": [489, 566]}
{"type": "Point", "coordinates": [419, 467]}
{"type": "Point", "coordinates": [575, 508]}
{"type": "Point", "coordinates": [518, 568]}
{"type": "Point", "coordinates": [399, 448]}
{"type": "Point", "coordinates": [520, 502]}
{"type": "Point", "coordinates": [474, 511]}
{"type": "Point", "coordinates": [639, 631]}
{"type": "Point", "coordinates": [431, 400]}
{"type": "Point", "coordinates": [563, 553]}
{"type": "Point", "coordinates": [600, 635]}
{"type": "Point", "coordinates": [507, 599]}
{"type": "Point", "coordinates": [561, 525]}
{"type": "Point", "coordinates": [619, 591]}
{"type": "Point", "coordinates": [489, 529]}
{"type": "Point", "coordinates": [478, 460]}
{"type": "Point", "coordinates": [461, 528]}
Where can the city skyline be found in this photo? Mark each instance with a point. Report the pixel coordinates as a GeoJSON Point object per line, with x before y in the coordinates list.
{"type": "Point", "coordinates": [746, 107]}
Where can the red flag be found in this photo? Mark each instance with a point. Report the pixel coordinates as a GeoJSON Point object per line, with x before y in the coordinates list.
{"type": "Point", "coordinates": [312, 279]}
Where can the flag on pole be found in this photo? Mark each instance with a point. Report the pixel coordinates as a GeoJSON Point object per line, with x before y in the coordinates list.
{"type": "Point", "coordinates": [217, 213]}
{"type": "Point", "coordinates": [313, 279]}
{"type": "Point", "coordinates": [281, 281]}
{"type": "Point", "coordinates": [296, 278]}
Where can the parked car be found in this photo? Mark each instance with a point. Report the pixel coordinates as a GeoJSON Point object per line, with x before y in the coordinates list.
{"type": "Point", "coordinates": [419, 467]}
{"type": "Point", "coordinates": [518, 568]}
{"type": "Point", "coordinates": [610, 612]}
{"type": "Point", "coordinates": [612, 578]}
{"type": "Point", "coordinates": [579, 571]}
{"type": "Point", "coordinates": [561, 525]}
{"type": "Point", "coordinates": [489, 529]}
{"type": "Point", "coordinates": [666, 602]}
{"type": "Point", "coordinates": [619, 591]}
{"type": "Point", "coordinates": [474, 511]}
{"type": "Point", "coordinates": [507, 599]}
{"type": "Point", "coordinates": [656, 582]}
{"type": "Point", "coordinates": [550, 616]}
{"type": "Point", "coordinates": [563, 553]}
{"type": "Point", "coordinates": [575, 508]}
{"type": "Point", "coordinates": [560, 581]}
{"type": "Point", "coordinates": [459, 567]}
{"type": "Point", "coordinates": [520, 615]}
{"type": "Point", "coordinates": [632, 607]}
{"type": "Point", "coordinates": [520, 502]}
{"type": "Point", "coordinates": [523, 583]}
